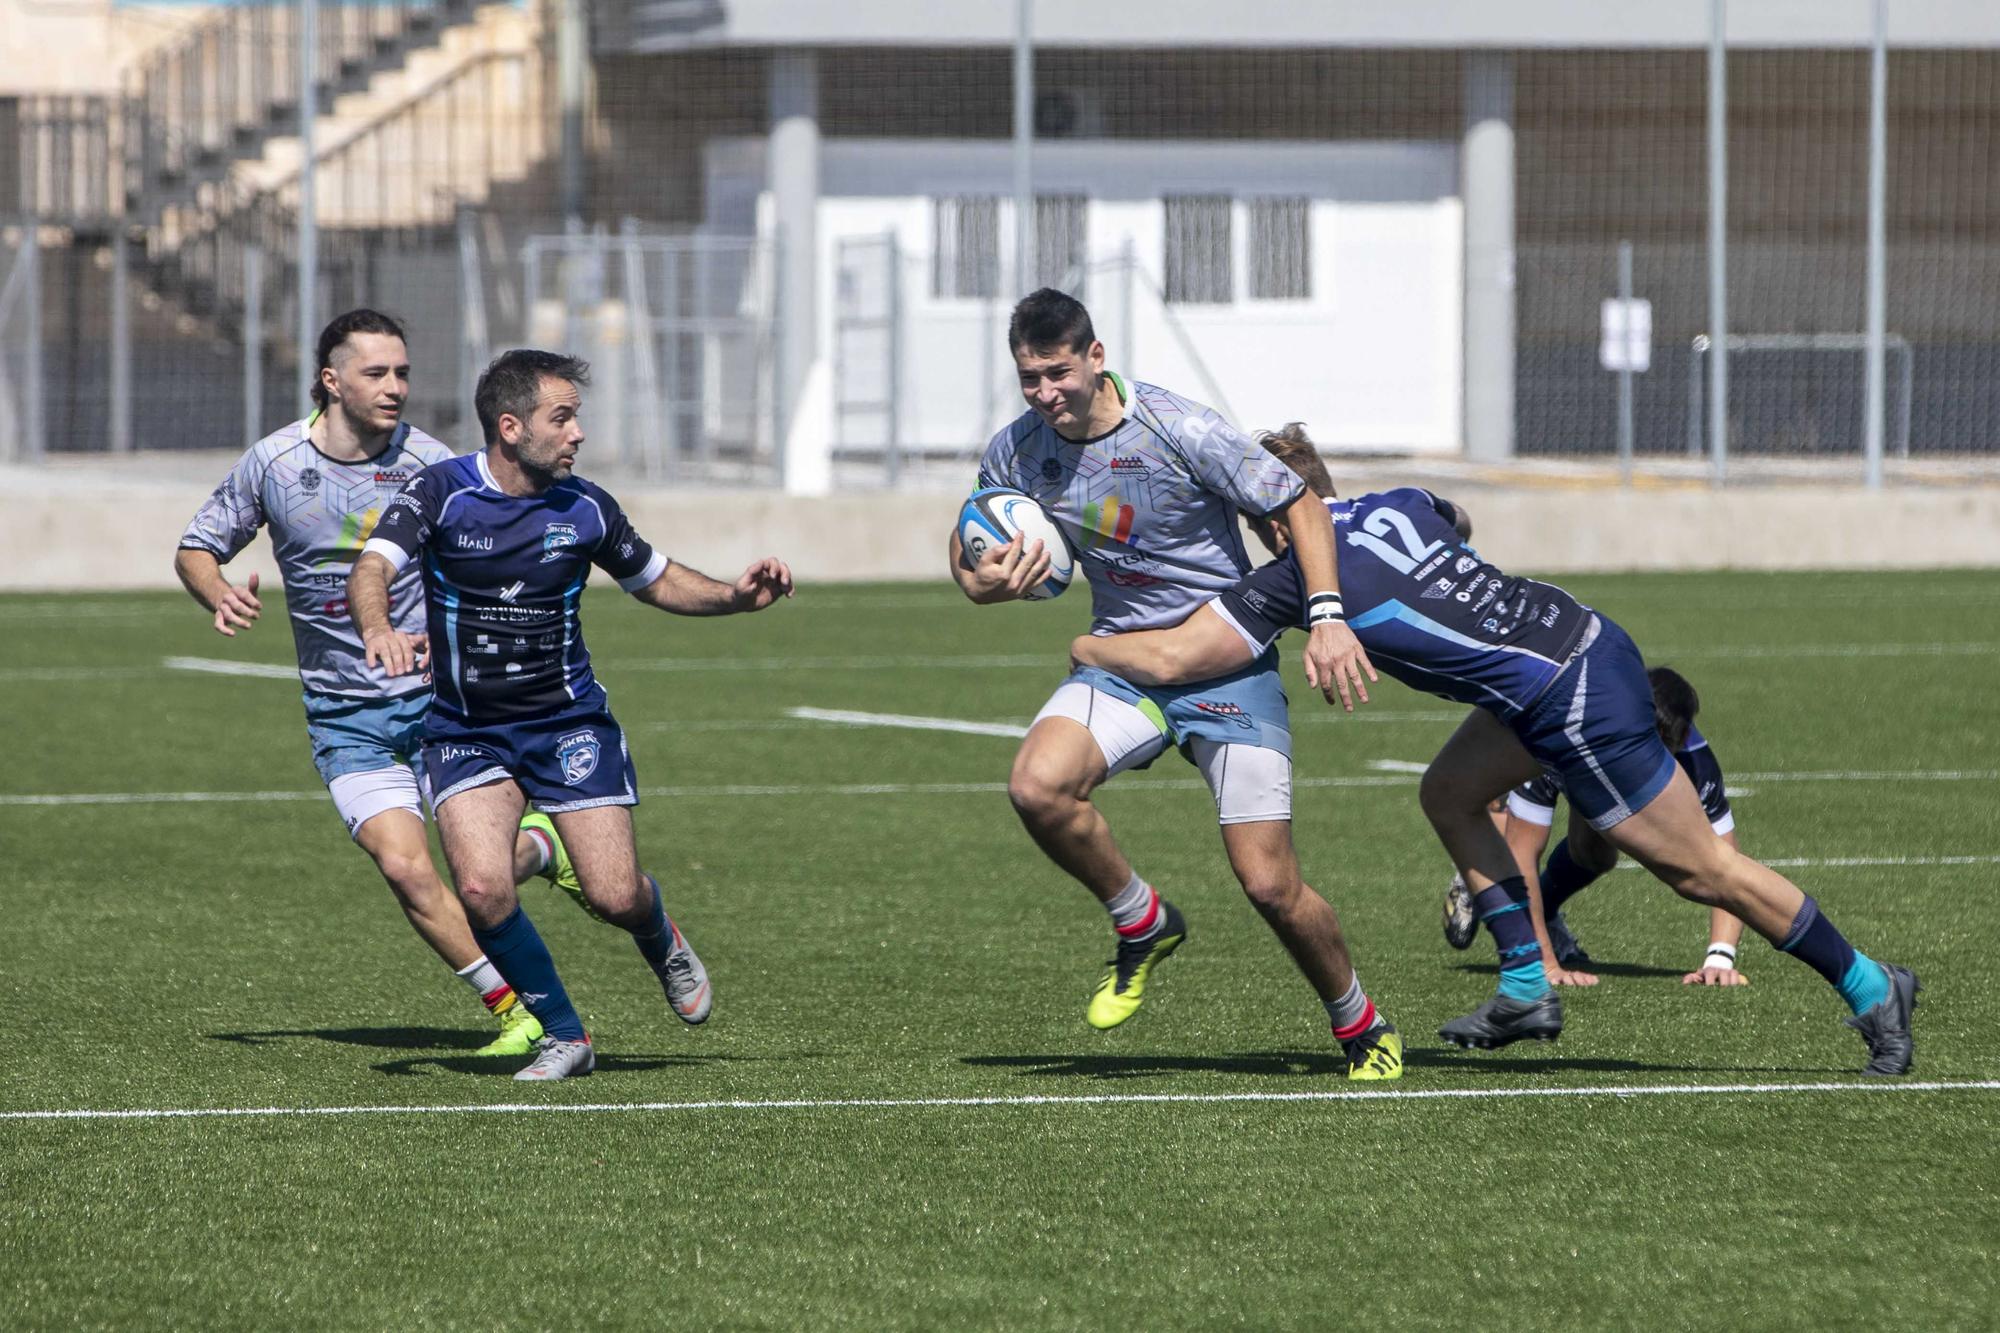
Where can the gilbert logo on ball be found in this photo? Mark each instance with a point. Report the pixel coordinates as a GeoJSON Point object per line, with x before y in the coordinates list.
{"type": "Point", "coordinates": [992, 517]}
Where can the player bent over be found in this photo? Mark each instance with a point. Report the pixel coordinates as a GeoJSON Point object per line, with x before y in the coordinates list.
{"type": "Point", "coordinates": [1558, 687]}
{"type": "Point", "coordinates": [507, 538]}
{"type": "Point", "coordinates": [319, 485]}
{"type": "Point", "coordinates": [1583, 856]}
{"type": "Point", "coordinates": [1146, 485]}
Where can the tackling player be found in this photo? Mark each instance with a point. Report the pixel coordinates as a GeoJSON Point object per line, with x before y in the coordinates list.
{"type": "Point", "coordinates": [506, 538]}
{"type": "Point", "coordinates": [1557, 686]}
{"type": "Point", "coordinates": [1146, 485]}
{"type": "Point", "coordinates": [319, 485]}
{"type": "Point", "coordinates": [1583, 856]}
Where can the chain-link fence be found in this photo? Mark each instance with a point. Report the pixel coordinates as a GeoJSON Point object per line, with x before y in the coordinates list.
{"type": "Point", "coordinates": [1408, 249]}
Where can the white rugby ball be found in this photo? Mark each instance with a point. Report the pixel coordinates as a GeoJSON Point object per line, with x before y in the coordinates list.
{"type": "Point", "coordinates": [991, 517]}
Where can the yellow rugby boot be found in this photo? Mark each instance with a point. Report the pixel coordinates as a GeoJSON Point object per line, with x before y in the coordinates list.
{"type": "Point", "coordinates": [1124, 986]}
{"type": "Point", "coordinates": [519, 1031]}
{"type": "Point", "coordinates": [1376, 1055]}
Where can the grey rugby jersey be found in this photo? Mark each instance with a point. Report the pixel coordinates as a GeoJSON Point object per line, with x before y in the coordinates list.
{"type": "Point", "coordinates": [321, 513]}
{"type": "Point", "coordinates": [1150, 506]}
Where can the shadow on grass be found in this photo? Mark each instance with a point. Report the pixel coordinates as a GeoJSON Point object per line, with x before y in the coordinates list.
{"type": "Point", "coordinates": [1271, 1064]}
{"type": "Point", "coordinates": [395, 1039]}
{"type": "Point", "coordinates": [1601, 969]}
{"type": "Point", "coordinates": [503, 1066]}
{"type": "Point", "coordinates": [1539, 1058]}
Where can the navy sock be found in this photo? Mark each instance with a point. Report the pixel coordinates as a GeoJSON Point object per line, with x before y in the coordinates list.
{"type": "Point", "coordinates": [657, 939]}
{"type": "Point", "coordinates": [515, 947]}
{"type": "Point", "coordinates": [1504, 908]}
{"type": "Point", "coordinates": [1563, 879]}
{"type": "Point", "coordinates": [1813, 940]}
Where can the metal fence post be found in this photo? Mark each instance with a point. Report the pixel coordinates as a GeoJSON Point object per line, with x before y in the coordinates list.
{"type": "Point", "coordinates": [308, 228]}
{"type": "Point", "coordinates": [1625, 374]}
{"type": "Point", "coordinates": [1024, 148]}
{"type": "Point", "coordinates": [893, 457]}
{"type": "Point", "coordinates": [121, 343]}
{"type": "Point", "coordinates": [1718, 217]}
{"type": "Point", "coordinates": [253, 344]}
{"type": "Point", "coordinates": [36, 423]}
{"type": "Point", "coordinates": [1878, 168]}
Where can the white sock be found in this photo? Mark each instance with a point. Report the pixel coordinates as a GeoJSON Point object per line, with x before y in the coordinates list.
{"type": "Point", "coordinates": [484, 978]}
{"type": "Point", "coordinates": [1131, 906]}
{"type": "Point", "coordinates": [544, 851]}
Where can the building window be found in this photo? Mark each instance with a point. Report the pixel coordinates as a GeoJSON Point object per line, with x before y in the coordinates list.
{"type": "Point", "coordinates": [965, 249]}
{"type": "Point", "coordinates": [1059, 241]}
{"type": "Point", "coordinates": [1197, 249]}
{"type": "Point", "coordinates": [1280, 250]}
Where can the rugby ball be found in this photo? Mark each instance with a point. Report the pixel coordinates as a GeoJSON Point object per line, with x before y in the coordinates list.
{"type": "Point", "coordinates": [991, 517]}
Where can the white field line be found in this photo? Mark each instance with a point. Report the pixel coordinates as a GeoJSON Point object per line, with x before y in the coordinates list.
{"type": "Point", "coordinates": [1051, 662]}
{"type": "Point", "coordinates": [1836, 862]}
{"type": "Point", "coordinates": [1082, 1099]}
{"type": "Point", "coordinates": [746, 789]}
{"type": "Point", "coordinates": [906, 721]}
{"type": "Point", "coordinates": [1398, 766]}
{"type": "Point", "coordinates": [216, 666]}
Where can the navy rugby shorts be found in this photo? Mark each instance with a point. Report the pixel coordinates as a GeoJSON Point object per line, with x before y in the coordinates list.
{"type": "Point", "coordinates": [1593, 728]}
{"type": "Point", "coordinates": [573, 762]}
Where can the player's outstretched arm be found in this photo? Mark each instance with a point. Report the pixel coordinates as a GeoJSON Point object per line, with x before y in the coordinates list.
{"type": "Point", "coordinates": [201, 574]}
{"type": "Point", "coordinates": [689, 592]}
{"type": "Point", "coordinates": [1725, 936]}
{"type": "Point", "coordinates": [1335, 660]}
{"type": "Point", "coordinates": [1200, 647]}
{"type": "Point", "coordinates": [395, 652]}
{"type": "Point", "coordinates": [1003, 573]}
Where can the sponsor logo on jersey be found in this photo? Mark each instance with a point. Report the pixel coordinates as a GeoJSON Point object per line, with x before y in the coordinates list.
{"type": "Point", "coordinates": [394, 475]}
{"type": "Point", "coordinates": [1127, 578]}
{"type": "Point", "coordinates": [1255, 600]}
{"type": "Point", "coordinates": [468, 542]}
{"type": "Point", "coordinates": [1442, 588]}
{"type": "Point", "coordinates": [309, 480]}
{"type": "Point", "coordinates": [578, 752]}
{"type": "Point", "coordinates": [513, 590]}
{"type": "Point", "coordinates": [1431, 566]}
{"type": "Point", "coordinates": [1109, 519]}
{"type": "Point", "coordinates": [1131, 465]}
{"type": "Point", "coordinates": [1552, 615]}
{"type": "Point", "coordinates": [1466, 564]}
{"type": "Point", "coordinates": [447, 753]}
{"type": "Point", "coordinates": [1490, 625]}
{"type": "Point", "coordinates": [557, 538]}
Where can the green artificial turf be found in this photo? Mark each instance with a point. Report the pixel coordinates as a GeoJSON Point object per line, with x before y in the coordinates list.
{"type": "Point", "coordinates": [879, 927]}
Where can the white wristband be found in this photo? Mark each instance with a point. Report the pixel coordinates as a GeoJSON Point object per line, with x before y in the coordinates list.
{"type": "Point", "coordinates": [1726, 953]}
{"type": "Point", "coordinates": [1324, 608]}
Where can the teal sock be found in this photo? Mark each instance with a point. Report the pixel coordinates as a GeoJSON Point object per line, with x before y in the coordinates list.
{"type": "Point", "coordinates": [1865, 985]}
{"type": "Point", "coordinates": [1526, 983]}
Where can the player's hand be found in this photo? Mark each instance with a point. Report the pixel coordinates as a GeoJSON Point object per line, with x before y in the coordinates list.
{"type": "Point", "coordinates": [237, 608]}
{"type": "Point", "coordinates": [1008, 573]}
{"type": "Point", "coordinates": [422, 644]}
{"type": "Point", "coordinates": [762, 584]}
{"type": "Point", "coordinates": [394, 651]}
{"type": "Point", "coordinates": [1335, 662]}
{"type": "Point", "coordinates": [1715, 976]}
{"type": "Point", "coordinates": [1568, 976]}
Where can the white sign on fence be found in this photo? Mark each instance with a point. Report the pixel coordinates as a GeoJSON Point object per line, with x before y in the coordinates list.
{"type": "Point", "coordinates": [1627, 341]}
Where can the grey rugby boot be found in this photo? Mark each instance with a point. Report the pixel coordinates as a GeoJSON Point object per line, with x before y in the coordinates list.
{"type": "Point", "coordinates": [1461, 923]}
{"type": "Point", "coordinates": [1885, 1026]}
{"type": "Point", "coordinates": [686, 982]}
{"type": "Point", "coordinates": [1501, 1021]}
{"type": "Point", "coordinates": [559, 1059]}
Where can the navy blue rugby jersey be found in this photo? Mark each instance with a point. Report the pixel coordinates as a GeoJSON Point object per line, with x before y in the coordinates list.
{"type": "Point", "coordinates": [503, 575]}
{"type": "Point", "coordinates": [1428, 609]}
{"type": "Point", "coordinates": [1535, 801]}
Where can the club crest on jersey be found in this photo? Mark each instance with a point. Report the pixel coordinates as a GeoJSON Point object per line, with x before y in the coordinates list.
{"type": "Point", "coordinates": [578, 752]}
{"type": "Point", "coordinates": [1466, 564]}
{"type": "Point", "coordinates": [309, 480]}
{"type": "Point", "coordinates": [1051, 469]}
{"type": "Point", "coordinates": [557, 538]}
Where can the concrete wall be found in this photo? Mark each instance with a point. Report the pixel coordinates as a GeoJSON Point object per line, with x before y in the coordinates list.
{"type": "Point", "coordinates": [88, 528]}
